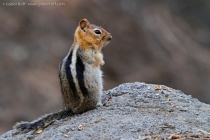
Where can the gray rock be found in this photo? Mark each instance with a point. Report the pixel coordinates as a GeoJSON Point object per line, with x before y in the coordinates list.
{"type": "Point", "coordinates": [132, 111]}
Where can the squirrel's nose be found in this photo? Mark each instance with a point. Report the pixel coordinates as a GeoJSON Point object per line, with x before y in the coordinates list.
{"type": "Point", "coordinates": [109, 37]}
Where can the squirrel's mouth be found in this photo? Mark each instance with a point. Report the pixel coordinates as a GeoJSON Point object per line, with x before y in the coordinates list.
{"type": "Point", "coordinates": [107, 39]}
{"type": "Point", "coordinates": [106, 43]}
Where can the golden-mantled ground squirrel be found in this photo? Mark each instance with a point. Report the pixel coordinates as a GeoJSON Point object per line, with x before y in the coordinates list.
{"type": "Point", "coordinates": [80, 76]}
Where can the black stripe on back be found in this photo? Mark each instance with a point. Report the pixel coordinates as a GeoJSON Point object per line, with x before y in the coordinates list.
{"type": "Point", "coordinates": [69, 74]}
{"type": "Point", "coordinates": [80, 68]}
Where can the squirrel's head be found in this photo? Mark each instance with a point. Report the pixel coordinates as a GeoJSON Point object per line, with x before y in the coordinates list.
{"type": "Point", "coordinates": [89, 35]}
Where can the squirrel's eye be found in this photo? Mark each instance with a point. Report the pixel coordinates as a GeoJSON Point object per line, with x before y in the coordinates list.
{"type": "Point", "coordinates": [97, 32]}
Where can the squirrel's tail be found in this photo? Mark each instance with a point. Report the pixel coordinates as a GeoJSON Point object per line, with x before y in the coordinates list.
{"type": "Point", "coordinates": [42, 122]}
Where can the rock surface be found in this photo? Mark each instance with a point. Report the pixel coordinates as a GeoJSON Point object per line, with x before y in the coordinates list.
{"type": "Point", "coordinates": [133, 111]}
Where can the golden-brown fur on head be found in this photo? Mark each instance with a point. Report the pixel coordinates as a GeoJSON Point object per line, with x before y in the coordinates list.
{"type": "Point", "coordinates": [89, 36]}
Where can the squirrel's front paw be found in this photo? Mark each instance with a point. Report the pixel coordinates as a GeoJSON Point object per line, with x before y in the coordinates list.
{"type": "Point", "coordinates": [102, 63]}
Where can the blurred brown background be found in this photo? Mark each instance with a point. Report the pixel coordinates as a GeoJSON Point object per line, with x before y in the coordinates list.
{"type": "Point", "coordinates": [154, 41]}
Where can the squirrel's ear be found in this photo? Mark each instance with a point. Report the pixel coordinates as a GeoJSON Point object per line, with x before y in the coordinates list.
{"type": "Point", "coordinates": [83, 24]}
